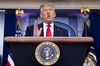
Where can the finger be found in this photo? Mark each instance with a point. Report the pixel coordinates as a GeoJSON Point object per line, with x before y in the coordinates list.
{"type": "Point", "coordinates": [35, 24]}
{"type": "Point", "coordinates": [35, 30]}
{"type": "Point", "coordinates": [40, 31]}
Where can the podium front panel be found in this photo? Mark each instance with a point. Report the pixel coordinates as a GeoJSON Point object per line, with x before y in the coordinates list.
{"type": "Point", "coordinates": [71, 54]}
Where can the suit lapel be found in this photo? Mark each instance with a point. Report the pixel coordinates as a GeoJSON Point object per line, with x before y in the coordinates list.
{"type": "Point", "coordinates": [56, 30]}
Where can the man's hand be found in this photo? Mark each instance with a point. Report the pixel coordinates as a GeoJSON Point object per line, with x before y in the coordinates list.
{"type": "Point", "coordinates": [37, 32]}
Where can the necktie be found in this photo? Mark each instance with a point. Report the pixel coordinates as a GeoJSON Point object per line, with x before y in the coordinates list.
{"type": "Point", "coordinates": [48, 31]}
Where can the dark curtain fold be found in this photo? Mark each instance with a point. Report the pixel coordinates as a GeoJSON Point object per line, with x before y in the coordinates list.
{"type": "Point", "coordinates": [95, 33]}
{"type": "Point", "coordinates": [9, 30]}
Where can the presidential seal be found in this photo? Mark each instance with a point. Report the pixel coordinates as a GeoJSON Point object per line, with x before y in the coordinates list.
{"type": "Point", "coordinates": [47, 53]}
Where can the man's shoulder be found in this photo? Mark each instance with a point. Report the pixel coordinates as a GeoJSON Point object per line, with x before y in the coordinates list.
{"type": "Point", "coordinates": [30, 26]}
{"type": "Point", "coordinates": [61, 31]}
{"type": "Point", "coordinates": [57, 27]}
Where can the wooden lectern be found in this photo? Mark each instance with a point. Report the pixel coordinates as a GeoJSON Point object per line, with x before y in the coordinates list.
{"type": "Point", "coordinates": [73, 50]}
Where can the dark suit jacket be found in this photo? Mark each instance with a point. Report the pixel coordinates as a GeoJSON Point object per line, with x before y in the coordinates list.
{"type": "Point", "coordinates": [58, 31]}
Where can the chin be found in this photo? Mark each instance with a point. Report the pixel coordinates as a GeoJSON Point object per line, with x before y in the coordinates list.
{"type": "Point", "coordinates": [49, 21]}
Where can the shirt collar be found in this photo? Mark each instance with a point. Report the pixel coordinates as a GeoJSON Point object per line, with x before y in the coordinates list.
{"type": "Point", "coordinates": [45, 24]}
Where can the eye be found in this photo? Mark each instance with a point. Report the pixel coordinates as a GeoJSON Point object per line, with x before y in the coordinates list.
{"type": "Point", "coordinates": [50, 9]}
{"type": "Point", "coordinates": [44, 10]}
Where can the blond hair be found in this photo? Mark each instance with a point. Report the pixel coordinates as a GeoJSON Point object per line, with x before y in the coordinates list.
{"type": "Point", "coordinates": [47, 4]}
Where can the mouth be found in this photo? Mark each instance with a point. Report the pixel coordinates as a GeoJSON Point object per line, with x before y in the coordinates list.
{"type": "Point", "coordinates": [48, 16]}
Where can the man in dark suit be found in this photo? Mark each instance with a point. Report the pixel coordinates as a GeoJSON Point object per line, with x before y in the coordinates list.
{"type": "Point", "coordinates": [47, 28]}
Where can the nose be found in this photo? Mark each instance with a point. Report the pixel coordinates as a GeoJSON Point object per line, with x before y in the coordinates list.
{"type": "Point", "coordinates": [48, 13]}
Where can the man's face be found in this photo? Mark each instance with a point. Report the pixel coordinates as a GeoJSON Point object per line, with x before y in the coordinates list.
{"type": "Point", "coordinates": [47, 14]}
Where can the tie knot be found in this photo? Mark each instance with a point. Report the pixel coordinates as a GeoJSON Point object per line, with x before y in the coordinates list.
{"type": "Point", "coordinates": [48, 25]}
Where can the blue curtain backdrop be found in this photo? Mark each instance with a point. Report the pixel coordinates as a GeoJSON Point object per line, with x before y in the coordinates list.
{"type": "Point", "coordinates": [9, 30]}
{"type": "Point", "coordinates": [95, 30]}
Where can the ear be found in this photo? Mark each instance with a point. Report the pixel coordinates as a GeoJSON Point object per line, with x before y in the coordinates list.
{"type": "Point", "coordinates": [40, 15]}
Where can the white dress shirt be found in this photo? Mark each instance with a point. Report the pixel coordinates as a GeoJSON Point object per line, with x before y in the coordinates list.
{"type": "Point", "coordinates": [45, 28]}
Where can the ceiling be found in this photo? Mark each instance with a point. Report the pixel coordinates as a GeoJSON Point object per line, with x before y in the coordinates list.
{"type": "Point", "coordinates": [59, 4]}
